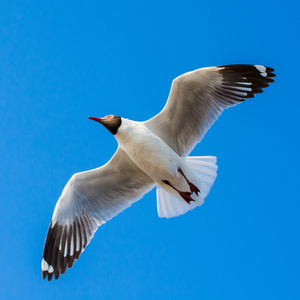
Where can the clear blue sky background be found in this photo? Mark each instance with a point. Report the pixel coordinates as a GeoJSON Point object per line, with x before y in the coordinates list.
{"type": "Point", "coordinates": [63, 61]}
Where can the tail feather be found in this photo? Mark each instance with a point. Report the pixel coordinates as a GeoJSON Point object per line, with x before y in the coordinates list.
{"type": "Point", "coordinates": [168, 206]}
{"type": "Point", "coordinates": [205, 169]}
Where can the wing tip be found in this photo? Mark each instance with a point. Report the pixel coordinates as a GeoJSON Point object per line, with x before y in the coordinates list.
{"type": "Point", "coordinates": [266, 72]}
{"type": "Point", "coordinates": [63, 246]}
{"type": "Point", "coordinates": [50, 271]}
{"type": "Point", "coordinates": [244, 81]}
{"type": "Point", "coordinates": [47, 270]}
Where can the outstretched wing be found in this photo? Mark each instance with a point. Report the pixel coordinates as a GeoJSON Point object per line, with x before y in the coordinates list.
{"type": "Point", "coordinates": [89, 200]}
{"type": "Point", "coordinates": [198, 98]}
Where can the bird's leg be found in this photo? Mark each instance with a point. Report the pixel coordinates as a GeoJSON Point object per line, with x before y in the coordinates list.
{"type": "Point", "coordinates": [186, 196]}
{"type": "Point", "coordinates": [194, 189]}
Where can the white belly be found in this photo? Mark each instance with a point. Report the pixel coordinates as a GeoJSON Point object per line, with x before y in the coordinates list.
{"type": "Point", "coordinates": [150, 153]}
{"type": "Point", "coordinates": [154, 157]}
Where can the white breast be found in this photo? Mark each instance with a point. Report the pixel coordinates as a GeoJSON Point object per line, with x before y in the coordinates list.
{"type": "Point", "coordinates": [148, 152]}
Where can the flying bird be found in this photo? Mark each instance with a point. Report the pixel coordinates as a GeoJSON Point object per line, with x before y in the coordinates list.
{"type": "Point", "coordinates": [150, 154]}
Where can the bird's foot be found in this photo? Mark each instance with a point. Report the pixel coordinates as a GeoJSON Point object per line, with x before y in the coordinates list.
{"type": "Point", "coordinates": [186, 196]}
{"type": "Point", "coordinates": [193, 188]}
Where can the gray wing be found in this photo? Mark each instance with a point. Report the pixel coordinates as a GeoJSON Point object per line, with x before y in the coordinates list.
{"type": "Point", "coordinates": [89, 200]}
{"type": "Point", "coordinates": [198, 98]}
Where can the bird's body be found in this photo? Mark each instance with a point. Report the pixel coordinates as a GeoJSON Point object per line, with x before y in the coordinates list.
{"type": "Point", "coordinates": [158, 160]}
{"type": "Point", "coordinates": [151, 153]}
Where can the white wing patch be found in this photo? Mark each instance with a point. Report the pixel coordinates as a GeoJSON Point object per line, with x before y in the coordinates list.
{"type": "Point", "coordinates": [262, 70]}
{"type": "Point", "coordinates": [47, 267]}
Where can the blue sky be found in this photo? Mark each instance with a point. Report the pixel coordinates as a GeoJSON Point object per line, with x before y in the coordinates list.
{"type": "Point", "coordinates": [62, 62]}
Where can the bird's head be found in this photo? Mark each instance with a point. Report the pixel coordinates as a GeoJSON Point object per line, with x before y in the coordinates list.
{"type": "Point", "coordinates": [110, 122]}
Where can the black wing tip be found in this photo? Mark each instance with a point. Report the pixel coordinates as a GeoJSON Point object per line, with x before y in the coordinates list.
{"type": "Point", "coordinates": [64, 244]}
{"type": "Point", "coordinates": [50, 276]}
{"type": "Point", "coordinates": [244, 81]}
{"type": "Point", "coordinates": [56, 272]}
{"type": "Point", "coordinates": [68, 263]}
{"type": "Point", "coordinates": [248, 68]}
{"type": "Point", "coordinates": [44, 274]}
{"type": "Point", "coordinates": [55, 261]}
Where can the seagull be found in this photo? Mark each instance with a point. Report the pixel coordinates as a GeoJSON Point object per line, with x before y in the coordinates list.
{"type": "Point", "coordinates": [153, 153]}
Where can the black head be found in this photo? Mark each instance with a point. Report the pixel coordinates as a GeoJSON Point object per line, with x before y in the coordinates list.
{"type": "Point", "coordinates": [110, 122]}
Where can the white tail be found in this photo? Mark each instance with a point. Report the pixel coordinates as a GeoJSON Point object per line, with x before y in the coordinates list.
{"type": "Point", "coordinates": [205, 169]}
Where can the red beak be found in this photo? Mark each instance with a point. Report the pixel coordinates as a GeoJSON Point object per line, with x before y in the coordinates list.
{"type": "Point", "coordinates": [95, 119]}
